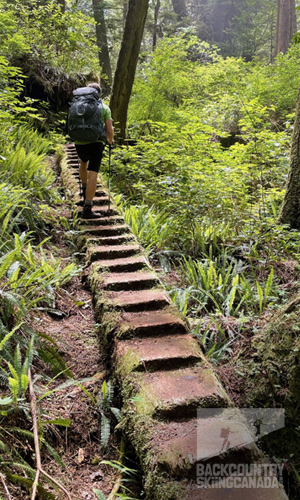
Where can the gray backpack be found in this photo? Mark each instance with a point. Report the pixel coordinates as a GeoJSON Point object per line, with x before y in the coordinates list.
{"type": "Point", "coordinates": [84, 118]}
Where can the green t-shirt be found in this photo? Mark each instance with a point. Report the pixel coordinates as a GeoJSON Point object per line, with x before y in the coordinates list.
{"type": "Point", "coordinates": [105, 115]}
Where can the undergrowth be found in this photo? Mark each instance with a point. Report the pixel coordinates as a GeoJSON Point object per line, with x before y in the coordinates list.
{"type": "Point", "coordinates": [30, 275]}
{"type": "Point", "coordinates": [201, 184]}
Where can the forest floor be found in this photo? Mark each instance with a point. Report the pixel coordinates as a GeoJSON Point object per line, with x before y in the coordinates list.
{"type": "Point", "coordinates": [79, 446]}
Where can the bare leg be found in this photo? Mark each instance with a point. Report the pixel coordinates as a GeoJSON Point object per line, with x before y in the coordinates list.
{"type": "Point", "coordinates": [91, 185]}
{"type": "Point", "coordinates": [83, 171]}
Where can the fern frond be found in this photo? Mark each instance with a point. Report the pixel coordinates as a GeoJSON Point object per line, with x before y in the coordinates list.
{"type": "Point", "coordinates": [50, 356]}
{"type": "Point", "coordinates": [105, 430]}
{"type": "Point", "coordinates": [53, 452]}
{"type": "Point", "coordinates": [117, 413]}
{"type": "Point", "coordinates": [24, 481]}
{"type": "Point", "coordinates": [99, 494]}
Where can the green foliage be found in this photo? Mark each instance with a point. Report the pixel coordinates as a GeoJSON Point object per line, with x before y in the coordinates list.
{"type": "Point", "coordinates": [42, 32]}
{"type": "Point", "coordinates": [99, 494]}
{"type": "Point", "coordinates": [205, 177]}
{"type": "Point", "coordinates": [179, 166]}
{"type": "Point", "coordinates": [127, 475]}
{"type": "Point", "coordinates": [29, 273]}
{"type": "Point", "coordinates": [28, 278]}
{"type": "Point", "coordinates": [220, 286]}
{"type": "Point", "coordinates": [105, 398]}
{"type": "Point", "coordinates": [18, 381]}
{"type": "Point", "coordinates": [153, 229]}
{"type": "Point", "coordinates": [211, 144]}
{"type": "Point", "coordinates": [14, 379]}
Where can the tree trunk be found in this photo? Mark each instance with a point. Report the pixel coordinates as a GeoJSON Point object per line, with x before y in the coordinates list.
{"type": "Point", "coordinates": [286, 25]}
{"type": "Point", "coordinates": [104, 60]}
{"type": "Point", "coordinates": [126, 66]}
{"type": "Point", "coordinates": [179, 8]}
{"type": "Point", "coordinates": [156, 12]}
{"type": "Point", "coordinates": [290, 210]}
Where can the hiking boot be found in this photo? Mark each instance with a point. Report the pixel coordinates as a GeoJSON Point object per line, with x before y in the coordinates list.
{"type": "Point", "coordinates": [87, 213]}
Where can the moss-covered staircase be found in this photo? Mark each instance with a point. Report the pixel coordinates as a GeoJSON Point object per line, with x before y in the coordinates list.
{"type": "Point", "coordinates": [160, 368]}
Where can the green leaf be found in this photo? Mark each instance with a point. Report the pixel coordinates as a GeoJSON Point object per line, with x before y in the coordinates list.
{"type": "Point", "coordinates": [6, 401]}
{"type": "Point", "coordinates": [105, 430]}
{"type": "Point", "coordinates": [99, 494]}
{"type": "Point", "coordinates": [8, 335]}
{"type": "Point", "coordinates": [117, 413]}
{"type": "Point", "coordinates": [66, 422]}
{"type": "Point", "coordinates": [104, 389]}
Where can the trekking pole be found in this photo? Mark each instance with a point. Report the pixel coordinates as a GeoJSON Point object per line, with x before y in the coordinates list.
{"type": "Point", "coordinates": [109, 165]}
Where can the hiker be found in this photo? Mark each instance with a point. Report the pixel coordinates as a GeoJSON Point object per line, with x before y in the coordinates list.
{"type": "Point", "coordinates": [90, 151]}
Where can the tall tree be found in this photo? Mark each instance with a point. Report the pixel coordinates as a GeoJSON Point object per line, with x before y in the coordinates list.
{"type": "Point", "coordinates": [243, 28]}
{"type": "Point", "coordinates": [180, 9]}
{"type": "Point", "coordinates": [286, 25]}
{"type": "Point", "coordinates": [104, 59]}
{"type": "Point", "coordinates": [156, 12]}
{"type": "Point", "coordinates": [126, 65]}
{"type": "Point", "coordinates": [290, 210]}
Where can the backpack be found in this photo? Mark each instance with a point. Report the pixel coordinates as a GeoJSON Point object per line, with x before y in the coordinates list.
{"type": "Point", "coordinates": [84, 117]}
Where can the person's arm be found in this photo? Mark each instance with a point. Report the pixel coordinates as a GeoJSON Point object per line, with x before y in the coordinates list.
{"type": "Point", "coordinates": [109, 131]}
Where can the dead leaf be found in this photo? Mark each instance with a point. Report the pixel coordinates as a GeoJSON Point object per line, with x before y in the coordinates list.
{"type": "Point", "coordinates": [80, 457]}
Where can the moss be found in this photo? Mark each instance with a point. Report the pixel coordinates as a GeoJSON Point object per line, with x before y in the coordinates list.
{"type": "Point", "coordinates": [273, 376]}
{"type": "Point", "coordinates": [96, 278]}
{"type": "Point", "coordinates": [81, 241]}
{"type": "Point", "coordinates": [160, 487]}
{"type": "Point", "coordinates": [106, 329]}
{"type": "Point", "coordinates": [148, 404]}
{"type": "Point", "coordinates": [127, 362]}
{"type": "Point", "coordinates": [141, 430]}
{"type": "Point", "coordinates": [69, 180]}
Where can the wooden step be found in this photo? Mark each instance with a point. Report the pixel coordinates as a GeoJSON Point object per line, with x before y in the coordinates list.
{"type": "Point", "coordinates": [109, 252]}
{"type": "Point", "coordinates": [130, 281]}
{"type": "Point", "coordinates": [153, 354]}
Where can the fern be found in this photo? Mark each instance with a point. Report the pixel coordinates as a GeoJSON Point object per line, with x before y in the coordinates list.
{"type": "Point", "coordinates": [106, 395]}
{"type": "Point", "coordinates": [117, 413]}
{"type": "Point", "coordinates": [28, 483]}
{"type": "Point", "coordinates": [105, 430]}
{"type": "Point", "coordinates": [99, 494]}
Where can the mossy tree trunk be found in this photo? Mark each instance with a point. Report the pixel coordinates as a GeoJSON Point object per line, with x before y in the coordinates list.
{"type": "Point", "coordinates": [290, 210]}
{"type": "Point", "coordinates": [126, 65]}
{"type": "Point", "coordinates": [286, 25]}
{"type": "Point", "coordinates": [101, 36]}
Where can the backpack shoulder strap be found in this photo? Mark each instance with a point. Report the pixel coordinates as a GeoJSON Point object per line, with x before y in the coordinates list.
{"type": "Point", "coordinates": [100, 106]}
